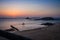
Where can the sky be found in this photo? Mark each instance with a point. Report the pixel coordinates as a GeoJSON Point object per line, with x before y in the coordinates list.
{"type": "Point", "coordinates": [23, 8]}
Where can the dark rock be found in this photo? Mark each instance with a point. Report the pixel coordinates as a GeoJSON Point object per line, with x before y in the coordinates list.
{"type": "Point", "coordinates": [9, 30]}
{"type": "Point", "coordinates": [49, 24]}
{"type": "Point", "coordinates": [12, 28]}
{"type": "Point", "coordinates": [27, 18]}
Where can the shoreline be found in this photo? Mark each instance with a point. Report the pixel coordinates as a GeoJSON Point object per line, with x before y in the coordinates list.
{"type": "Point", "coordinates": [46, 33]}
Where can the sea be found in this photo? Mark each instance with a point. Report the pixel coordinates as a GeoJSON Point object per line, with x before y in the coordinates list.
{"type": "Point", "coordinates": [28, 24]}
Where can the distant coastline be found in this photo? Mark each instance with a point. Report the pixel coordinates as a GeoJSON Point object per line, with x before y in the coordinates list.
{"type": "Point", "coordinates": [34, 18]}
{"type": "Point", "coordinates": [43, 18]}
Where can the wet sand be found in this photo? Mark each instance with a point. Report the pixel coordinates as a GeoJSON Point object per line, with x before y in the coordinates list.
{"type": "Point", "coordinates": [45, 33]}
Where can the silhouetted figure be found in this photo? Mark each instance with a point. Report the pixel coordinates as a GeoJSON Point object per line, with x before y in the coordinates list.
{"type": "Point", "coordinates": [14, 27]}
{"type": "Point", "coordinates": [12, 36]}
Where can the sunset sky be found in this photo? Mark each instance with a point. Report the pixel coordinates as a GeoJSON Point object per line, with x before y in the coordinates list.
{"type": "Point", "coordinates": [20, 8]}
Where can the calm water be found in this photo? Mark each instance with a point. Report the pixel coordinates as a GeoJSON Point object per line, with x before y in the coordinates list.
{"type": "Point", "coordinates": [29, 24]}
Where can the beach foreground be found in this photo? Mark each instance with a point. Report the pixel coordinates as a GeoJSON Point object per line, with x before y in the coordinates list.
{"type": "Point", "coordinates": [45, 33]}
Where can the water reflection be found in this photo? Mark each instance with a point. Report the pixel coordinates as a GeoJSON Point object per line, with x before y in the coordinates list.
{"type": "Point", "coordinates": [28, 24]}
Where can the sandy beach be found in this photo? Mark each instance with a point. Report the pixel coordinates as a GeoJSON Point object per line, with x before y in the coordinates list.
{"type": "Point", "coordinates": [45, 33]}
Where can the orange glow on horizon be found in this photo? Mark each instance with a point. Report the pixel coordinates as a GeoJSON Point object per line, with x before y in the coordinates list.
{"type": "Point", "coordinates": [16, 12]}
